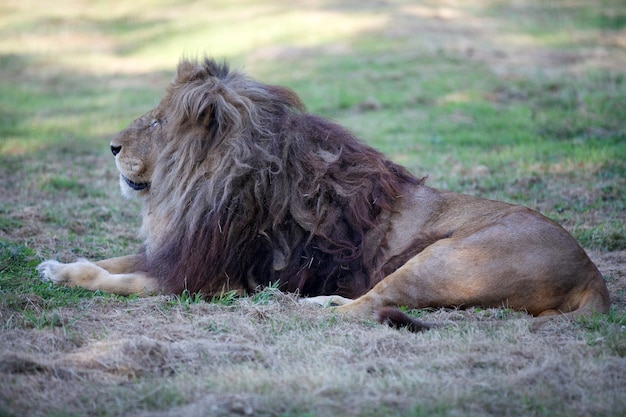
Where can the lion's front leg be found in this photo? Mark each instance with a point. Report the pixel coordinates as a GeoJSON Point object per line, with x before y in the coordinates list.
{"type": "Point", "coordinates": [93, 276]}
{"type": "Point", "coordinates": [122, 264]}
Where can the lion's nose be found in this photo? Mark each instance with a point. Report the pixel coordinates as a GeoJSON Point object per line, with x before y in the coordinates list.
{"type": "Point", "coordinates": [115, 149]}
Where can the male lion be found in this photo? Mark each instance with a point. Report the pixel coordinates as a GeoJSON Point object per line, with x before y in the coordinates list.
{"type": "Point", "coordinates": [242, 188]}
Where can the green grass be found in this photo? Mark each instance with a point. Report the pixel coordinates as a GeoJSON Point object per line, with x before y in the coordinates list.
{"type": "Point", "coordinates": [23, 290]}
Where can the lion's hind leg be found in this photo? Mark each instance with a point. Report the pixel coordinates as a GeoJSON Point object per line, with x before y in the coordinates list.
{"type": "Point", "coordinates": [90, 276]}
{"type": "Point", "coordinates": [523, 261]}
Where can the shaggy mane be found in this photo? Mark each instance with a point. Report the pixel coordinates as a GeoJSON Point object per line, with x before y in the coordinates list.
{"type": "Point", "coordinates": [249, 190]}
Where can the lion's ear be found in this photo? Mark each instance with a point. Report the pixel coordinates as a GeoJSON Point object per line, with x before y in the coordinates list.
{"type": "Point", "coordinates": [197, 105]}
{"type": "Point", "coordinates": [208, 119]}
{"type": "Point", "coordinates": [208, 104]}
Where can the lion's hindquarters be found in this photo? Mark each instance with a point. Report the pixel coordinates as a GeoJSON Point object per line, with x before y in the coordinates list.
{"type": "Point", "coordinates": [522, 261]}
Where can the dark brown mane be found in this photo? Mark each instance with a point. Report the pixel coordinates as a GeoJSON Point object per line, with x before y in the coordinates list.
{"type": "Point", "coordinates": [266, 192]}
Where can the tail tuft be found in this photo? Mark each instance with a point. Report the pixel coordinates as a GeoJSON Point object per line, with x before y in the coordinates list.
{"type": "Point", "coordinates": [395, 318]}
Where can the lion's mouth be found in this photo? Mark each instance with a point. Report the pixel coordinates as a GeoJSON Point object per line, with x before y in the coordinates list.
{"type": "Point", "coordinates": [137, 186]}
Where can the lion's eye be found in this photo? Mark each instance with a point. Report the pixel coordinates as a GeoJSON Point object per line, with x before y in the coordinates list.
{"type": "Point", "coordinates": [155, 123]}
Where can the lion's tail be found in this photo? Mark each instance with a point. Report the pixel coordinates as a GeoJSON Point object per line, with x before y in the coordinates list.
{"type": "Point", "coordinates": [594, 300]}
{"type": "Point", "coordinates": [397, 319]}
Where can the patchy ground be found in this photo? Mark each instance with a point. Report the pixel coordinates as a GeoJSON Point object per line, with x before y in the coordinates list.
{"type": "Point", "coordinates": [273, 356]}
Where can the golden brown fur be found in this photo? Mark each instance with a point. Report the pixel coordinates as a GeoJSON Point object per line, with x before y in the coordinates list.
{"type": "Point", "coordinates": [241, 188]}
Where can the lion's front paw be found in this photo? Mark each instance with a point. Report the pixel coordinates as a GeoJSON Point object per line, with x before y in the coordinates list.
{"type": "Point", "coordinates": [51, 271]}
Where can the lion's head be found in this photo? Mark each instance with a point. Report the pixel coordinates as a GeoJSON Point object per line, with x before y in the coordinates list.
{"type": "Point", "coordinates": [242, 187]}
{"type": "Point", "coordinates": [135, 151]}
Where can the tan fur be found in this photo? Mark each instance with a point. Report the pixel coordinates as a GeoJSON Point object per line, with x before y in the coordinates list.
{"type": "Point", "coordinates": [240, 187]}
{"type": "Point", "coordinates": [498, 255]}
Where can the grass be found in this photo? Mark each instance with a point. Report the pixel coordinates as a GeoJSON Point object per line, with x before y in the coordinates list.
{"type": "Point", "coordinates": [522, 102]}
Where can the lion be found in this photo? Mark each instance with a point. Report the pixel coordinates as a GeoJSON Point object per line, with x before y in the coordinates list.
{"type": "Point", "coordinates": [242, 188]}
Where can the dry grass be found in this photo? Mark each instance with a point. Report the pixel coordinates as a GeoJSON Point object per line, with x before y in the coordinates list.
{"type": "Point", "coordinates": [160, 356]}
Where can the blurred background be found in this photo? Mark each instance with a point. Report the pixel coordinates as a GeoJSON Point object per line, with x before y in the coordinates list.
{"type": "Point", "coordinates": [517, 100]}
